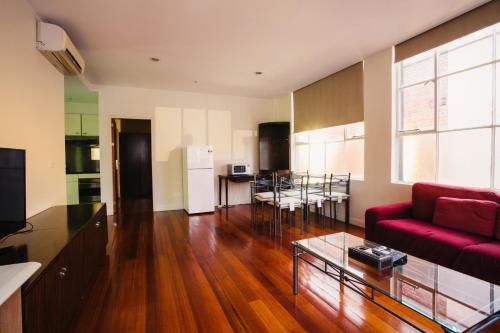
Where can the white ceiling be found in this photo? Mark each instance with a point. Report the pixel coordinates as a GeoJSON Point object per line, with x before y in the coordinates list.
{"type": "Point", "coordinates": [221, 43]}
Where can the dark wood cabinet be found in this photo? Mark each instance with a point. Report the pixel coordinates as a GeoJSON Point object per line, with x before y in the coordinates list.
{"type": "Point", "coordinates": [95, 238]}
{"type": "Point", "coordinates": [274, 147]}
{"type": "Point", "coordinates": [71, 251]}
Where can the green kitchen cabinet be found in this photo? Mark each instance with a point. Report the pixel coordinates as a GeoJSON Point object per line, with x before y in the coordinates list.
{"type": "Point", "coordinates": [90, 125]}
{"type": "Point", "coordinates": [72, 124]}
{"type": "Point", "coordinates": [72, 195]}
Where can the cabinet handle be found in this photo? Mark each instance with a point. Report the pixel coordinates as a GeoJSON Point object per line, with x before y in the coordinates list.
{"type": "Point", "coordinates": [84, 132]}
{"type": "Point", "coordinates": [62, 272]}
{"type": "Point", "coordinates": [98, 224]}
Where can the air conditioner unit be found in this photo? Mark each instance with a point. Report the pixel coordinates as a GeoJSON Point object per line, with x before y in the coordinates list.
{"type": "Point", "coordinates": [53, 42]}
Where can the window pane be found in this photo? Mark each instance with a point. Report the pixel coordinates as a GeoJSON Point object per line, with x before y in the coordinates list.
{"type": "Point", "coordinates": [335, 161]}
{"type": "Point", "coordinates": [355, 130]}
{"type": "Point", "coordinates": [345, 157]}
{"type": "Point", "coordinates": [302, 137]}
{"type": "Point", "coordinates": [301, 158]}
{"type": "Point", "coordinates": [498, 42]}
{"type": "Point", "coordinates": [465, 158]}
{"type": "Point", "coordinates": [498, 92]}
{"type": "Point", "coordinates": [497, 158]}
{"type": "Point", "coordinates": [317, 158]}
{"type": "Point", "coordinates": [417, 107]}
{"type": "Point", "coordinates": [418, 156]}
{"type": "Point", "coordinates": [465, 99]}
{"type": "Point", "coordinates": [317, 135]}
{"type": "Point", "coordinates": [335, 133]}
{"type": "Point", "coordinates": [418, 68]}
{"type": "Point", "coordinates": [466, 52]}
{"type": "Point", "coordinates": [354, 156]}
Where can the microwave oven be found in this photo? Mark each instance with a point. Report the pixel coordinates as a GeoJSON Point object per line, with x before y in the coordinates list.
{"type": "Point", "coordinates": [238, 169]}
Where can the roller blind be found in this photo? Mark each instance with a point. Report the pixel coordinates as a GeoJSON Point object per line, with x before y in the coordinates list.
{"type": "Point", "coordinates": [476, 19]}
{"type": "Point", "coordinates": [334, 100]}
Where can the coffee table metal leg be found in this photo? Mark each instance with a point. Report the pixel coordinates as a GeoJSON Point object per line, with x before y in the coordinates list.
{"type": "Point", "coordinates": [295, 255]}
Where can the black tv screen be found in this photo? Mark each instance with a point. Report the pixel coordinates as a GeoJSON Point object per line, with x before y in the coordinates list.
{"type": "Point", "coordinates": [12, 190]}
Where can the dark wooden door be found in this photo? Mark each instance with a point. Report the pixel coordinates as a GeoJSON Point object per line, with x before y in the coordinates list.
{"type": "Point", "coordinates": [135, 165]}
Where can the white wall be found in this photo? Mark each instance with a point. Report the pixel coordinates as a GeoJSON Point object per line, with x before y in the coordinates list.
{"type": "Point", "coordinates": [32, 107]}
{"type": "Point", "coordinates": [376, 188]}
{"type": "Point", "coordinates": [179, 118]}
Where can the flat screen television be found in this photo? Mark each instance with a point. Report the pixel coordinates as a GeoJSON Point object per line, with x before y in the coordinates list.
{"type": "Point", "coordinates": [12, 190]}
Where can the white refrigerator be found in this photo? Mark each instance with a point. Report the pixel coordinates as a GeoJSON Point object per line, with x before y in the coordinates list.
{"type": "Point", "coordinates": [198, 179]}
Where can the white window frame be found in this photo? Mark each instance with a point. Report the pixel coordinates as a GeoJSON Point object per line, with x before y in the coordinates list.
{"type": "Point", "coordinates": [399, 133]}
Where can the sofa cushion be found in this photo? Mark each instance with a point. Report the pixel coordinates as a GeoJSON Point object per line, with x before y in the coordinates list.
{"type": "Point", "coordinates": [442, 246]}
{"type": "Point", "coordinates": [424, 197]}
{"type": "Point", "coordinates": [469, 215]}
{"type": "Point", "coordinates": [424, 240]}
{"type": "Point", "coordinates": [480, 260]}
{"type": "Point", "coordinates": [386, 212]}
{"type": "Point", "coordinates": [401, 234]}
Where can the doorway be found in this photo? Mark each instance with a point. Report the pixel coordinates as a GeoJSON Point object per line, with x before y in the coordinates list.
{"type": "Point", "coordinates": [132, 172]}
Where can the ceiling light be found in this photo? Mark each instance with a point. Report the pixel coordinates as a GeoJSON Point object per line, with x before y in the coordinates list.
{"type": "Point", "coordinates": [258, 73]}
{"type": "Point", "coordinates": [154, 59]}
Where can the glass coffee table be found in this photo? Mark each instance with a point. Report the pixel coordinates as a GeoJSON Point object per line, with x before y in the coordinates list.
{"type": "Point", "coordinates": [455, 301]}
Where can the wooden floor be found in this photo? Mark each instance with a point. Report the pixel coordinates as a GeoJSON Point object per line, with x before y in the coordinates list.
{"type": "Point", "coordinates": [168, 272]}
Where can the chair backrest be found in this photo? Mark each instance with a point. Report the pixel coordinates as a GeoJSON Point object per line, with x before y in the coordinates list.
{"type": "Point", "coordinates": [340, 183]}
{"type": "Point", "coordinates": [316, 183]}
{"type": "Point", "coordinates": [283, 183]}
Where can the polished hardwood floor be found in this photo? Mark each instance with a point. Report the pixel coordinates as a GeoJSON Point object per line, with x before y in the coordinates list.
{"type": "Point", "coordinates": [168, 272]}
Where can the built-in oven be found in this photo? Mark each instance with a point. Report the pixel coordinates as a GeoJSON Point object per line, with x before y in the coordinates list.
{"type": "Point", "coordinates": [89, 190]}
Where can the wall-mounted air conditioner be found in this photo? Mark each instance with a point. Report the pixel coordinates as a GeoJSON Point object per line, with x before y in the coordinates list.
{"type": "Point", "coordinates": [53, 42]}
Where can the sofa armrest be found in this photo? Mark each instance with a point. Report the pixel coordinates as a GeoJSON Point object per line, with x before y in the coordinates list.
{"type": "Point", "coordinates": [386, 212]}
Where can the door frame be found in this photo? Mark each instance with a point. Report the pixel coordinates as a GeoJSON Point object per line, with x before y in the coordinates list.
{"type": "Point", "coordinates": [115, 164]}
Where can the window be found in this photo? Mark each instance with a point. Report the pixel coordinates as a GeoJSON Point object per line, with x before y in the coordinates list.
{"type": "Point", "coordinates": [448, 113]}
{"type": "Point", "coordinates": [338, 150]}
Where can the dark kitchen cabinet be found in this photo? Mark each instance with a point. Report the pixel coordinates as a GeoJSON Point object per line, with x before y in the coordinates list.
{"type": "Point", "coordinates": [70, 243]}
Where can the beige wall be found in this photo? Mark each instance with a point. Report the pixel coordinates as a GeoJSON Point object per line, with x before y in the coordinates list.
{"type": "Point", "coordinates": [281, 108]}
{"type": "Point", "coordinates": [177, 119]}
{"type": "Point", "coordinates": [376, 188]}
{"type": "Point", "coordinates": [32, 111]}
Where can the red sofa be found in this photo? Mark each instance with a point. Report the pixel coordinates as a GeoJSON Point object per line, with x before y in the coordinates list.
{"type": "Point", "coordinates": [452, 226]}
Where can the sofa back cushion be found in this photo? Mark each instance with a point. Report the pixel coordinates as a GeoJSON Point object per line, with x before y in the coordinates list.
{"type": "Point", "coordinates": [424, 197]}
{"type": "Point", "coordinates": [469, 215]}
{"type": "Point", "coordinates": [497, 232]}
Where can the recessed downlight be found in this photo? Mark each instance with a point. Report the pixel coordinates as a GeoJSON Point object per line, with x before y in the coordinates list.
{"type": "Point", "coordinates": [258, 73]}
{"type": "Point", "coordinates": [154, 59]}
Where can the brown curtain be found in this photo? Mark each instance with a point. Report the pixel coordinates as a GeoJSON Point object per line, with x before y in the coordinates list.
{"type": "Point", "coordinates": [474, 20]}
{"type": "Point", "coordinates": [335, 100]}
